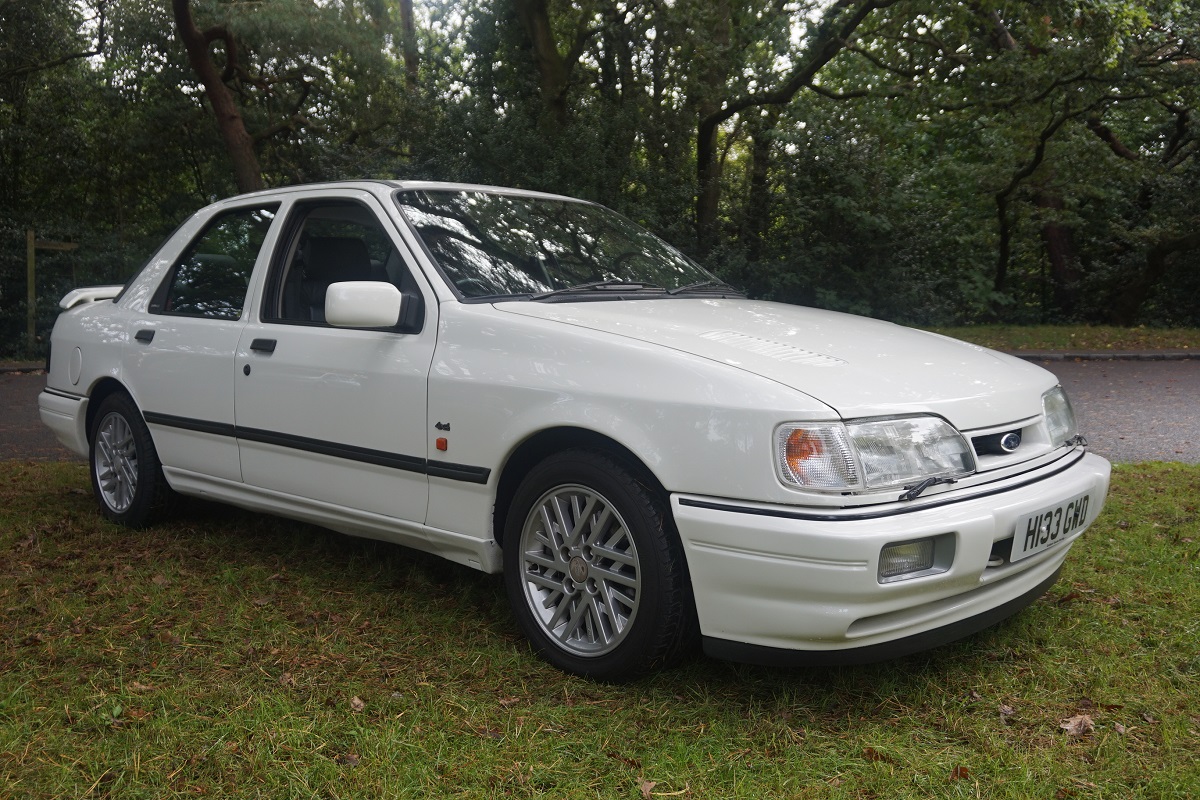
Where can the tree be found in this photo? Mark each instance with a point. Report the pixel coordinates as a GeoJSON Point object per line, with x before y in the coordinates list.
{"type": "Point", "coordinates": [238, 142]}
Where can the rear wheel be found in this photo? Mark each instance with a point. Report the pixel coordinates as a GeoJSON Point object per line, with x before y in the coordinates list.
{"type": "Point", "coordinates": [127, 477]}
{"type": "Point", "coordinates": [594, 570]}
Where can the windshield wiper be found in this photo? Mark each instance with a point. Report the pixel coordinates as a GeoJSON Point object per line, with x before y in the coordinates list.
{"type": "Point", "coordinates": [702, 285]}
{"type": "Point", "coordinates": [915, 490]}
{"type": "Point", "coordinates": [619, 283]}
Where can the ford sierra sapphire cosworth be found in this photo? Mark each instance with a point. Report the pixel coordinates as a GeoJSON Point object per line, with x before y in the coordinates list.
{"type": "Point", "coordinates": [530, 384]}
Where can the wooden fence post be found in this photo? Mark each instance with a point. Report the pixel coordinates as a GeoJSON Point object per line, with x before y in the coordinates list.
{"type": "Point", "coordinates": [32, 245]}
{"type": "Point", "coordinates": [30, 285]}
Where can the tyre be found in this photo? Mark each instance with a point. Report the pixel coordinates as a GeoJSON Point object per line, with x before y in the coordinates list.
{"type": "Point", "coordinates": [127, 477]}
{"type": "Point", "coordinates": [594, 571]}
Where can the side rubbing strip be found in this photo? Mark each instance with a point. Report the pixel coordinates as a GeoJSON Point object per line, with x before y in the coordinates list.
{"type": "Point", "coordinates": [458, 472]}
{"type": "Point", "coordinates": [189, 424]}
{"type": "Point", "coordinates": [365, 455]}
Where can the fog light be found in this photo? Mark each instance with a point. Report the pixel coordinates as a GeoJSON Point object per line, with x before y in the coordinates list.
{"type": "Point", "coordinates": [900, 560]}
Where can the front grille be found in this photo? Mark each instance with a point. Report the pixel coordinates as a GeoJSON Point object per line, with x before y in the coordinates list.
{"type": "Point", "coordinates": [997, 444]}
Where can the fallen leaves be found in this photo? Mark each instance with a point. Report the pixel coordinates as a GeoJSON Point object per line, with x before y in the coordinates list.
{"type": "Point", "coordinates": [871, 754]}
{"type": "Point", "coordinates": [1078, 725]}
{"type": "Point", "coordinates": [647, 789]}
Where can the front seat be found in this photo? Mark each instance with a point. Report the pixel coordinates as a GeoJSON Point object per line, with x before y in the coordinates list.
{"type": "Point", "coordinates": [332, 259]}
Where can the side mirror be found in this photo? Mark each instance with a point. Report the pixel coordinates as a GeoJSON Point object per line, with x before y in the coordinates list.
{"type": "Point", "coordinates": [363, 304]}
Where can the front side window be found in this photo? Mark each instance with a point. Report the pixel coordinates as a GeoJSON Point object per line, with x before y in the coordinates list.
{"type": "Point", "coordinates": [491, 244]}
{"type": "Point", "coordinates": [211, 277]}
{"type": "Point", "coordinates": [331, 242]}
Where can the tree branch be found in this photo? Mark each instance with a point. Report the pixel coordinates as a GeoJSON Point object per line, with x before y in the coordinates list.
{"type": "Point", "coordinates": [879, 62]}
{"type": "Point", "coordinates": [829, 43]}
{"type": "Point", "coordinates": [1108, 137]}
{"type": "Point", "coordinates": [222, 34]}
{"type": "Point", "coordinates": [895, 90]}
{"type": "Point", "coordinates": [98, 50]}
{"type": "Point", "coordinates": [1182, 120]}
{"type": "Point", "coordinates": [1002, 197]}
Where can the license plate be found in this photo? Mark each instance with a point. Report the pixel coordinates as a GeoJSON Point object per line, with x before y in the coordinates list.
{"type": "Point", "coordinates": [1044, 529]}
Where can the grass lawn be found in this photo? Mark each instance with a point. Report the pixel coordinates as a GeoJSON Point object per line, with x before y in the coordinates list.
{"type": "Point", "coordinates": [1076, 337]}
{"type": "Point", "coordinates": [234, 655]}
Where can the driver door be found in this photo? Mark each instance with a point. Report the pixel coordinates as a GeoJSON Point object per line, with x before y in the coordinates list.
{"type": "Point", "coordinates": [335, 417]}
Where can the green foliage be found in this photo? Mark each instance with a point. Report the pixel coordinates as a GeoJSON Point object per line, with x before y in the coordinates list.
{"type": "Point", "coordinates": [947, 163]}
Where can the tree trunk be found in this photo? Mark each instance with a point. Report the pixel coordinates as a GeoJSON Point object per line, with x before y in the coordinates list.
{"type": "Point", "coordinates": [1059, 241]}
{"type": "Point", "coordinates": [553, 73]}
{"type": "Point", "coordinates": [408, 43]}
{"type": "Point", "coordinates": [1000, 283]}
{"type": "Point", "coordinates": [238, 143]}
{"type": "Point", "coordinates": [709, 168]}
{"type": "Point", "coordinates": [757, 219]}
{"type": "Point", "coordinates": [1127, 302]}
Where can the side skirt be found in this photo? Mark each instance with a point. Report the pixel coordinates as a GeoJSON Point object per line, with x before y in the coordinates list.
{"type": "Point", "coordinates": [480, 554]}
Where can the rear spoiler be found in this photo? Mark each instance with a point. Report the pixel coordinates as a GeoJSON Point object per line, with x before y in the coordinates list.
{"type": "Point", "coordinates": [91, 294]}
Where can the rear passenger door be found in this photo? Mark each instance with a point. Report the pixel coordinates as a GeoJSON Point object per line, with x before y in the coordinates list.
{"type": "Point", "coordinates": [335, 417]}
{"type": "Point", "coordinates": [179, 359]}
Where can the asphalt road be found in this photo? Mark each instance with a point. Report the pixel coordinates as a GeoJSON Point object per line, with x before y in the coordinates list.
{"type": "Point", "coordinates": [1128, 410]}
{"type": "Point", "coordinates": [1136, 410]}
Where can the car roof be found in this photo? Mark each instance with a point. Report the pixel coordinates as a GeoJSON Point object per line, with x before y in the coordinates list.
{"type": "Point", "coordinates": [402, 185]}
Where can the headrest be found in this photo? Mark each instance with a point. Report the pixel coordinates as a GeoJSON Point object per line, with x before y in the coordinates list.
{"type": "Point", "coordinates": [336, 258]}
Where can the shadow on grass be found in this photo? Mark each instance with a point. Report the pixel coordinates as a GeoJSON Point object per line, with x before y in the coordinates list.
{"type": "Point", "coordinates": [470, 610]}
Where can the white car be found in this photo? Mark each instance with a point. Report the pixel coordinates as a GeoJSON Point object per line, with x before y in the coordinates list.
{"type": "Point", "coordinates": [531, 384]}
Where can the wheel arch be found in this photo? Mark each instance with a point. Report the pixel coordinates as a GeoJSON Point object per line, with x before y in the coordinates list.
{"type": "Point", "coordinates": [545, 443]}
{"type": "Point", "coordinates": [104, 388]}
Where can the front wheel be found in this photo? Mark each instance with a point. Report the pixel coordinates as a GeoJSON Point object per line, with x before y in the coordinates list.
{"type": "Point", "coordinates": [594, 570]}
{"type": "Point", "coordinates": [127, 478]}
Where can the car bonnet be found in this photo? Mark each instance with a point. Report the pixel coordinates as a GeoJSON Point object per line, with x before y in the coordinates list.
{"type": "Point", "coordinates": [859, 366]}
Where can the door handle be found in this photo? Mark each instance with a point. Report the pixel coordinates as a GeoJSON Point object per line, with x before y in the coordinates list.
{"type": "Point", "coordinates": [145, 335]}
{"type": "Point", "coordinates": [263, 345]}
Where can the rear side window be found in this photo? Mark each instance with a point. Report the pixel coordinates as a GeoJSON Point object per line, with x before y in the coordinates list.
{"type": "Point", "coordinates": [210, 278]}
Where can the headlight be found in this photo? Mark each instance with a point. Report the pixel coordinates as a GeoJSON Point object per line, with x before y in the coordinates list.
{"type": "Point", "coordinates": [817, 456]}
{"type": "Point", "coordinates": [871, 454]}
{"type": "Point", "coordinates": [1060, 418]}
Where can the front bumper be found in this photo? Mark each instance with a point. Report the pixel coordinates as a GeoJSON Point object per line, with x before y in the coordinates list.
{"type": "Point", "coordinates": [776, 584]}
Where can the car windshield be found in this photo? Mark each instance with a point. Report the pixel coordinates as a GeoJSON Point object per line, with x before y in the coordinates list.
{"type": "Point", "coordinates": [498, 245]}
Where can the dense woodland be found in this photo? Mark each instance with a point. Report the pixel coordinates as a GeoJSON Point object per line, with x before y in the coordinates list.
{"type": "Point", "coordinates": [925, 162]}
